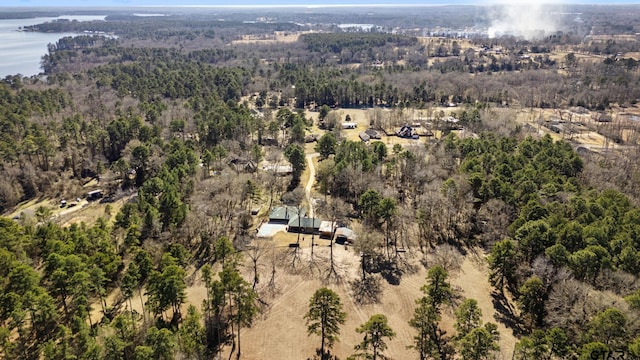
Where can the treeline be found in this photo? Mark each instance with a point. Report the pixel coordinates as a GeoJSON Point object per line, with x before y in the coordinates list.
{"type": "Point", "coordinates": [52, 313]}
{"type": "Point", "coordinates": [146, 79]}
{"type": "Point", "coordinates": [337, 42]}
{"type": "Point", "coordinates": [562, 235]}
{"type": "Point", "coordinates": [49, 310]}
{"type": "Point", "coordinates": [24, 140]}
{"type": "Point", "coordinates": [43, 139]}
{"type": "Point", "coordinates": [381, 78]}
{"type": "Point", "coordinates": [600, 84]}
{"type": "Point", "coordinates": [165, 27]}
{"type": "Point", "coordinates": [333, 88]}
{"type": "Point", "coordinates": [64, 52]}
{"type": "Point", "coordinates": [566, 252]}
{"type": "Point", "coordinates": [55, 287]}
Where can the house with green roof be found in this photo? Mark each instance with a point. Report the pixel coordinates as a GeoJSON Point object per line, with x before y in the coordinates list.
{"type": "Point", "coordinates": [304, 225]}
{"type": "Point", "coordinates": [282, 214]}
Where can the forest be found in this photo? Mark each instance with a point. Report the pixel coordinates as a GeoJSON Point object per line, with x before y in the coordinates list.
{"type": "Point", "coordinates": [505, 225]}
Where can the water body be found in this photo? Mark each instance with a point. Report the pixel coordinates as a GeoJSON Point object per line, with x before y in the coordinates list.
{"type": "Point", "coordinates": [21, 51]}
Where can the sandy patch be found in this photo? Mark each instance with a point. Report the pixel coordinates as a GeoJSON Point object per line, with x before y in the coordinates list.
{"type": "Point", "coordinates": [275, 37]}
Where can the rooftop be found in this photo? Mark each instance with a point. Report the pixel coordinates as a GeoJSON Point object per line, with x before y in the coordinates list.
{"type": "Point", "coordinates": [305, 222]}
{"type": "Point", "coordinates": [285, 213]}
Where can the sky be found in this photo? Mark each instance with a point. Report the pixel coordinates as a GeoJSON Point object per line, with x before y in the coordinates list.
{"type": "Point", "coordinates": [120, 3]}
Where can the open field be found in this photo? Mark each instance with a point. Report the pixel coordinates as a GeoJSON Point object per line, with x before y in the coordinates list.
{"type": "Point", "coordinates": [582, 129]}
{"type": "Point", "coordinates": [280, 331]}
{"type": "Point", "coordinates": [276, 37]}
{"type": "Point", "coordinates": [362, 118]}
{"type": "Point", "coordinates": [83, 211]}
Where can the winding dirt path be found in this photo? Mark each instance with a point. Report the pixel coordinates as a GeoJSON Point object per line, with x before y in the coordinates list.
{"type": "Point", "coordinates": [312, 178]}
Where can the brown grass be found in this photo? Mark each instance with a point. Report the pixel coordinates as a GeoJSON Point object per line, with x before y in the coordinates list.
{"type": "Point", "coordinates": [280, 331]}
{"type": "Point", "coordinates": [276, 37]}
{"type": "Point", "coordinates": [361, 118]}
{"type": "Point", "coordinates": [84, 211]}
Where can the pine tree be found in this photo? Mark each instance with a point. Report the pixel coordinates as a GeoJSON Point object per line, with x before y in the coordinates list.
{"type": "Point", "coordinates": [375, 330]}
{"type": "Point", "coordinates": [324, 317]}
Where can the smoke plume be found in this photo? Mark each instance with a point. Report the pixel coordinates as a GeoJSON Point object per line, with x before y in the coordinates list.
{"type": "Point", "coordinates": [528, 19]}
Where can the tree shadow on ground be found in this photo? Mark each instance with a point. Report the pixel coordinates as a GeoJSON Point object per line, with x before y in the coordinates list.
{"type": "Point", "coordinates": [366, 291]}
{"type": "Point", "coordinates": [405, 264]}
{"type": "Point", "coordinates": [387, 268]}
{"type": "Point", "coordinates": [505, 314]}
{"type": "Point", "coordinates": [327, 356]}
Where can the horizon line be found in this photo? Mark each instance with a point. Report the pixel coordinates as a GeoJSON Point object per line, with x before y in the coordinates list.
{"type": "Point", "coordinates": [478, 3]}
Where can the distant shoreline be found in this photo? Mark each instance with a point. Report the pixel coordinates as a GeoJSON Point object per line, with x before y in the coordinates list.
{"type": "Point", "coordinates": [80, 9]}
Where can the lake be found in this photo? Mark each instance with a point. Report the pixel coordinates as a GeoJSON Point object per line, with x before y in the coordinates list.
{"type": "Point", "coordinates": [21, 51]}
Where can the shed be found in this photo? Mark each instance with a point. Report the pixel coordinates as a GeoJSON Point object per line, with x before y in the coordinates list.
{"type": "Point", "coordinates": [326, 229]}
{"type": "Point", "coordinates": [405, 132]}
{"type": "Point", "coordinates": [601, 117]}
{"type": "Point", "coordinates": [304, 225]}
{"type": "Point", "coordinates": [345, 235]}
{"type": "Point", "coordinates": [311, 138]}
{"type": "Point", "coordinates": [94, 195]}
{"type": "Point", "coordinates": [280, 170]}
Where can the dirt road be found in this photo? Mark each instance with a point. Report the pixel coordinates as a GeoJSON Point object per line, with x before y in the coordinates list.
{"type": "Point", "coordinates": [312, 178]}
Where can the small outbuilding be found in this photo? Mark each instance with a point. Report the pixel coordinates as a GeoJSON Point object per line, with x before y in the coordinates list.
{"type": "Point", "coordinates": [94, 195]}
{"type": "Point", "coordinates": [280, 170]}
{"type": "Point", "coordinates": [364, 136]}
{"type": "Point", "coordinates": [405, 132]}
{"type": "Point", "coordinates": [311, 138]}
{"type": "Point", "coordinates": [326, 229]}
{"type": "Point", "coordinates": [345, 236]}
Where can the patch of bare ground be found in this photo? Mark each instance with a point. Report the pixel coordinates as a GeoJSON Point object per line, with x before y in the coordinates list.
{"type": "Point", "coordinates": [280, 331]}
{"type": "Point", "coordinates": [275, 37]}
{"type": "Point", "coordinates": [82, 211]}
{"type": "Point", "coordinates": [362, 119]}
{"type": "Point", "coordinates": [581, 129]}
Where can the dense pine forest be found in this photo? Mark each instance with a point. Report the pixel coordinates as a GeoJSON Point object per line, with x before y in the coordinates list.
{"type": "Point", "coordinates": [519, 164]}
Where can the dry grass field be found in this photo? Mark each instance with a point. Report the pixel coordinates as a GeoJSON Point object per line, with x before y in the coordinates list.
{"type": "Point", "coordinates": [362, 118]}
{"type": "Point", "coordinates": [280, 331]}
{"type": "Point", "coordinates": [276, 37]}
{"type": "Point", "coordinates": [82, 211]}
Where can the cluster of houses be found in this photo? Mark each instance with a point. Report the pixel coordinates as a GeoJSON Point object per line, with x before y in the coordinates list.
{"type": "Point", "coordinates": [294, 219]}
{"type": "Point", "coordinates": [413, 131]}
